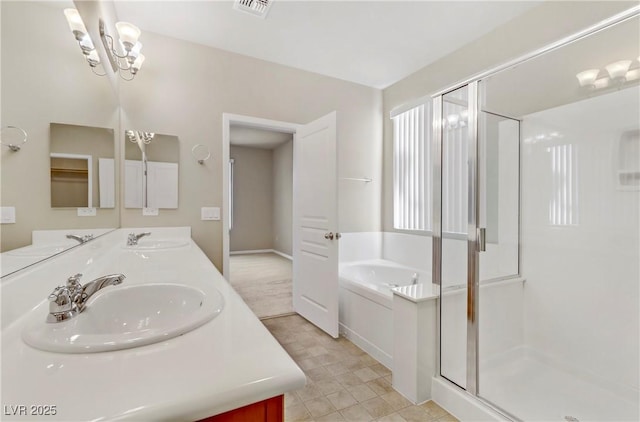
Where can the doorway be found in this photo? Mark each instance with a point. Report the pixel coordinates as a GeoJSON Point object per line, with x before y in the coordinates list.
{"type": "Point", "coordinates": [260, 227]}
{"type": "Point", "coordinates": [314, 213]}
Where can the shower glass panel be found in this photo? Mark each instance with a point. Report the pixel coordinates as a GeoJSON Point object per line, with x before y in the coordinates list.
{"type": "Point", "coordinates": [454, 223]}
{"type": "Point", "coordinates": [563, 345]}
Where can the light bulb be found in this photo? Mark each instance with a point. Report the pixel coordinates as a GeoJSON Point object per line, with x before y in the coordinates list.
{"type": "Point", "coordinates": [86, 44]}
{"type": "Point", "coordinates": [453, 120]}
{"type": "Point", "coordinates": [588, 77]}
{"type": "Point", "coordinates": [93, 58]}
{"type": "Point", "coordinates": [618, 69]}
{"type": "Point", "coordinates": [135, 67]}
{"type": "Point", "coordinates": [135, 51]}
{"type": "Point", "coordinates": [75, 23]}
{"type": "Point", "coordinates": [128, 33]}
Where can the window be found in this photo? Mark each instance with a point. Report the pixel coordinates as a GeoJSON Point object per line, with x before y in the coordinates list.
{"type": "Point", "coordinates": [412, 169]}
{"type": "Point", "coordinates": [563, 204]}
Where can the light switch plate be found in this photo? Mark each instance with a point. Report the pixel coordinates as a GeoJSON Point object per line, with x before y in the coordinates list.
{"type": "Point", "coordinates": [210, 213]}
{"type": "Point", "coordinates": [7, 215]}
{"type": "Point", "coordinates": [150, 212]}
{"type": "Point", "coordinates": [87, 212]}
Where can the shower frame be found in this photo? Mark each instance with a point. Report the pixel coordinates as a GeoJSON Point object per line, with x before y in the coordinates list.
{"type": "Point", "coordinates": [473, 246]}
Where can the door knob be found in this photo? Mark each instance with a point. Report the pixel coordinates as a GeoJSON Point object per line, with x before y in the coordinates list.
{"type": "Point", "coordinates": [328, 236]}
{"type": "Point", "coordinates": [338, 235]}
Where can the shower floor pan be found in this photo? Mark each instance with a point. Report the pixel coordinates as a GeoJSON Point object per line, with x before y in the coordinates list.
{"type": "Point", "coordinates": [534, 390]}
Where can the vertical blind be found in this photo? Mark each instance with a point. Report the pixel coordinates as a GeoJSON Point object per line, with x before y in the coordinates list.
{"type": "Point", "coordinates": [412, 169]}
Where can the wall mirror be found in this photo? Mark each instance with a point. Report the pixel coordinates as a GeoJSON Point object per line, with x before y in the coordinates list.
{"type": "Point", "coordinates": [45, 78]}
{"type": "Point", "coordinates": [151, 170]}
{"type": "Point", "coordinates": [82, 166]}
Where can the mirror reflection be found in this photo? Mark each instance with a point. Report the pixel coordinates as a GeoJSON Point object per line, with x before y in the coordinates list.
{"type": "Point", "coordinates": [45, 79]}
{"type": "Point", "coordinates": [151, 170]}
{"type": "Point", "coordinates": [82, 166]}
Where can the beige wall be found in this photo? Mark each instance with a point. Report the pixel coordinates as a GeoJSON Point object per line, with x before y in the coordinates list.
{"type": "Point", "coordinates": [540, 26]}
{"type": "Point", "coordinates": [283, 198]}
{"type": "Point", "coordinates": [252, 199]}
{"type": "Point", "coordinates": [44, 79]}
{"type": "Point", "coordinates": [184, 88]}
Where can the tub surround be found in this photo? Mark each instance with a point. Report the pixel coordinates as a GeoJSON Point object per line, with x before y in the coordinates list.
{"type": "Point", "coordinates": [228, 363]}
{"type": "Point", "coordinates": [415, 339]}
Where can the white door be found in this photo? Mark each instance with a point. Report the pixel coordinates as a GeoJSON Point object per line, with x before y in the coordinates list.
{"type": "Point", "coordinates": [315, 220]}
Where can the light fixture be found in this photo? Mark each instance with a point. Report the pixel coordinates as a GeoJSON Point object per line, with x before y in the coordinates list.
{"type": "Point", "coordinates": [588, 78]}
{"type": "Point", "coordinates": [128, 60]}
{"type": "Point", "coordinates": [138, 137]}
{"type": "Point", "coordinates": [84, 40]}
{"type": "Point", "coordinates": [617, 74]}
{"type": "Point", "coordinates": [619, 69]}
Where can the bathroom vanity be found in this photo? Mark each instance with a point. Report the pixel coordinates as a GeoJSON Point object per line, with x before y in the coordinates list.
{"type": "Point", "coordinates": [223, 365]}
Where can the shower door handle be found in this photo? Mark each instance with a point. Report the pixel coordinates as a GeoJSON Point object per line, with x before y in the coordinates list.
{"type": "Point", "coordinates": [482, 241]}
{"type": "Point", "coordinates": [328, 236]}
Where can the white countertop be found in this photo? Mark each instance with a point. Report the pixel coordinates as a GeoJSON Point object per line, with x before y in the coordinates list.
{"type": "Point", "coordinates": [227, 363]}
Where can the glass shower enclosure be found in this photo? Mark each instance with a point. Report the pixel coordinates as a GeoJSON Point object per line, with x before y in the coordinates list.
{"type": "Point", "coordinates": [537, 230]}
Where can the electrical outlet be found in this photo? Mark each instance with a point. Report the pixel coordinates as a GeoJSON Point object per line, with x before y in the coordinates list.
{"type": "Point", "coordinates": [149, 212]}
{"type": "Point", "coordinates": [87, 212]}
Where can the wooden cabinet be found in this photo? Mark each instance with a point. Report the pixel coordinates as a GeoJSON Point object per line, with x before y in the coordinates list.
{"type": "Point", "coordinates": [270, 410]}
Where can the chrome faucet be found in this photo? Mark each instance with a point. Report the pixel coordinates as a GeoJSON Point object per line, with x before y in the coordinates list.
{"type": "Point", "coordinates": [81, 239]}
{"type": "Point", "coordinates": [414, 278]}
{"type": "Point", "coordinates": [133, 238]}
{"type": "Point", "coordinates": [67, 301]}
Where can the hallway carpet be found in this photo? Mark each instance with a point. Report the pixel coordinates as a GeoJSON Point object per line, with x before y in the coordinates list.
{"type": "Point", "coordinates": [264, 283]}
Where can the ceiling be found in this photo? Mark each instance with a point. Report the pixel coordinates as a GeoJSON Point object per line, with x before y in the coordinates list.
{"type": "Point", "coordinates": [243, 136]}
{"type": "Point", "coordinates": [374, 43]}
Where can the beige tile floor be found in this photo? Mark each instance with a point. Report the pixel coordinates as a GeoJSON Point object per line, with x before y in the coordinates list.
{"type": "Point", "coordinates": [343, 382]}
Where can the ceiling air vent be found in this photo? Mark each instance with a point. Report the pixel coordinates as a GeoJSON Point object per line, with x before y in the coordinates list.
{"type": "Point", "coordinates": [257, 8]}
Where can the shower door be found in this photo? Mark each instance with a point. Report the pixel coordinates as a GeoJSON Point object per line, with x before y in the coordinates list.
{"type": "Point", "coordinates": [451, 229]}
{"type": "Point", "coordinates": [476, 240]}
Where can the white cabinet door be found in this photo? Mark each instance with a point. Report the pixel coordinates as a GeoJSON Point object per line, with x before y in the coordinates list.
{"type": "Point", "coordinates": [162, 184]}
{"type": "Point", "coordinates": [133, 184]}
{"type": "Point", "coordinates": [315, 254]}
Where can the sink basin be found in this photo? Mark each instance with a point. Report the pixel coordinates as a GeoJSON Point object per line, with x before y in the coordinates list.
{"type": "Point", "coordinates": [125, 317]}
{"type": "Point", "coordinates": [41, 250]}
{"type": "Point", "coordinates": [150, 244]}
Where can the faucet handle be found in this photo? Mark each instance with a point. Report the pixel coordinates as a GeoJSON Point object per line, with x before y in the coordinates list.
{"type": "Point", "coordinates": [59, 299]}
{"type": "Point", "coordinates": [73, 282]}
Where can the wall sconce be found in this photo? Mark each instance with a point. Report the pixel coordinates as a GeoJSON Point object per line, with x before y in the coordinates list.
{"type": "Point", "coordinates": [130, 61]}
{"type": "Point", "coordinates": [84, 40]}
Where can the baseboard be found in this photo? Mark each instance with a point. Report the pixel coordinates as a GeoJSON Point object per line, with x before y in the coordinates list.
{"type": "Point", "coordinates": [255, 251]}
{"type": "Point", "coordinates": [249, 252]}
{"type": "Point", "coordinates": [374, 351]}
{"type": "Point", "coordinates": [282, 254]}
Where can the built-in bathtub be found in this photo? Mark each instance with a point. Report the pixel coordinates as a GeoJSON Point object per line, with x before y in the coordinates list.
{"type": "Point", "coordinates": [366, 303]}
